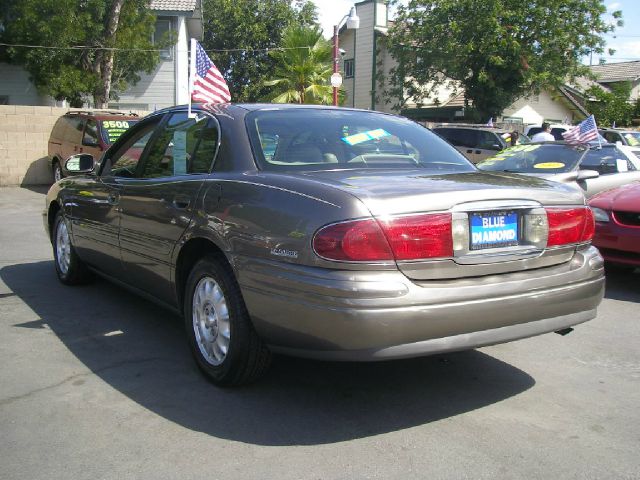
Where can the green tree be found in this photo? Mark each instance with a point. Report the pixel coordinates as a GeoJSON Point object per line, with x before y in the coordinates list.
{"type": "Point", "coordinates": [497, 50]}
{"type": "Point", "coordinates": [238, 35]}
{"type": "Point", "coordinates": [613, 106]}
{"type": "Point", "coordinates": [83, 40]}
{"type": "Point", "coordinates": [303, 68]}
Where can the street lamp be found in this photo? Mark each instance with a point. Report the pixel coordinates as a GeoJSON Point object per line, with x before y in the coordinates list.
{"type": "Point", "coordinates": [353, 22]}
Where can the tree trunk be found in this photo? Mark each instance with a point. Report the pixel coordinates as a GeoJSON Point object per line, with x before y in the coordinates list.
{"type": "Point", "coordinates": [105, 59]}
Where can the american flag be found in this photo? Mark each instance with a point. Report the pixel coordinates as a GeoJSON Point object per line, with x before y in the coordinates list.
{"type": "Point", "coordinates": [208, 84]}
{"type": "Point", "coordinates": [584, 132]}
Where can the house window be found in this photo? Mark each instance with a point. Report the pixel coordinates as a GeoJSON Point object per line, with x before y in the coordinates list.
{"type": "Point", "coordinates": [348, 68]}
{"type": "Point", "coordinates": [512, 120]}
{"type": "Point", "coordinates": [161, 34]}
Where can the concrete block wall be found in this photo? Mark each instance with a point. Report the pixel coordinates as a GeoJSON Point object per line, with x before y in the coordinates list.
{"type": "Point", "coordinates": [24, 133]}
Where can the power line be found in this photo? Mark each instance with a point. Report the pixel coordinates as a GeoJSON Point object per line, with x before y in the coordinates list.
{"type": "Point", "coordinates": [91, 47]}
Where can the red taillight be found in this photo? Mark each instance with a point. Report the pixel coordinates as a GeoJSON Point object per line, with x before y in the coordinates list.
{"type": "Point", "coordinates": [411, 237]}
{"type": "Point", "coordinates": [569, 225]}
{"type": "Point", "coordinates": [360, 240]}
{"type": "Point", "coordinates": [420, 236]}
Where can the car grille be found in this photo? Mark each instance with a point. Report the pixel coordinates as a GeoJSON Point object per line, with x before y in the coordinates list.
{"type": "Point", "coordinates": [631, 219]}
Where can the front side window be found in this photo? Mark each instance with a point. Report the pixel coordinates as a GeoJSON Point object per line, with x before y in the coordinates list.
{"type": "Point", "coordinates": [183, 146]}
{"type": "Point", "coordinates": [90, 137]}
{"type": "Point", "coordinates": [488, 141]}
{"type": "Point", "coordinates": [312, 139]}
{"type": "Point", "coordinates": [124, 161]}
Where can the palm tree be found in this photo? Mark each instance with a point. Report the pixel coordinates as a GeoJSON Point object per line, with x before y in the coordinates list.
{"type": "Point", "coordinates": [303, 68]}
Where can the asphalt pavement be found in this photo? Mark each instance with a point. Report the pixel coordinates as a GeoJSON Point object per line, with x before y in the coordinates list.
{"type": "Point", "coordinates": [96, 383]}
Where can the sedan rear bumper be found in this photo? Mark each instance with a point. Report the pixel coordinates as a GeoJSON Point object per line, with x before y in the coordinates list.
{"type": "Point", "coordinates": [365, 316]}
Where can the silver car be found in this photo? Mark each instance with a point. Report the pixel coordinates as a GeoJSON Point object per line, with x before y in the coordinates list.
{"type": "Point", "coordinates": [591, 168]}
{"type": "Point", "coordinates": [322, 232]}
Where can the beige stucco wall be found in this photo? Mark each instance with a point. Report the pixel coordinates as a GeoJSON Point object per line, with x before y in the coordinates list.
{"type": "Point", "coordinates": [539, 108]}
{"type": "Point", "coordinates": [24, 133]}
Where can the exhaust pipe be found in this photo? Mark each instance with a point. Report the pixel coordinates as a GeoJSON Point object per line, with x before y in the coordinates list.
{"type": "Point", "coordinates": [564, 331]}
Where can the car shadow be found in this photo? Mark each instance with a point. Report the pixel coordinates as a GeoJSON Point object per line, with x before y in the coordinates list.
{"type": "Point", "coordinates": [141, 350]}
{"type": "Point", "coordinates": [623, 284]}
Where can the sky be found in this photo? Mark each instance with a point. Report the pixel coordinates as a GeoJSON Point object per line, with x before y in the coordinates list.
{"type": "Point", "coordinates": [626, 40]}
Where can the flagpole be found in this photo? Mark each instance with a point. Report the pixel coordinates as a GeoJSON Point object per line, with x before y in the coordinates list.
{"type": "Point", "coordinates": [192, 69]}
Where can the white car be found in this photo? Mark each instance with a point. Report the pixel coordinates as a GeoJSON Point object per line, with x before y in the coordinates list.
{"type": "Point", "coordinates": [592, 168]}
{"type": "Point", "coordinates": [557, 129]}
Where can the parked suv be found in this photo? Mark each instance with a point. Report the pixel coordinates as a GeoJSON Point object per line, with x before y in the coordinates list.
{"type": "Point", "coordinates": [626, 137]}
{"type": "Point", "coordinates": [477, 142]}
{"type": "Point", "coordinates": [85, 132]}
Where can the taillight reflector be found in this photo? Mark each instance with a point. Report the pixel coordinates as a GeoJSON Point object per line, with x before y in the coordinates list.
{"type": "Point", "coordinates": [356, 241]}
{"type": "Point", "coordinates": [569, 225]}
{"type": "Point", "coordinates": [411, 237]}
{"type": "Point", "coordinates": [420, 236]}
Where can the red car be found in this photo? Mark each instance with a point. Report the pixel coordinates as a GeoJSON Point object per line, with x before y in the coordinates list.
{"type": "Point", "coordinates": [617, 214]}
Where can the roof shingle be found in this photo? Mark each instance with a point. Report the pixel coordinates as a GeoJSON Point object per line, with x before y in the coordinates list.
{"type": "Point", "coordinates": [617, 72]}
{"type": "Point", "coordinates": [173, 5]}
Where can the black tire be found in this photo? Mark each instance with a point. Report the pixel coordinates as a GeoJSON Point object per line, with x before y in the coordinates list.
{"type": "Point", "coordinates": [618, 268]}
{"type": "Point", "coordinates": [71, 270]}
{"type": "Point", "coordinates": [57, 171]}
{"type": "Point", "coordinates": [246, 357]}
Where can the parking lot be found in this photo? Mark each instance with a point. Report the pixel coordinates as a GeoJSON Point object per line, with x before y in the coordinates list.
{"type": "Point", "coordinates": [98, 383]}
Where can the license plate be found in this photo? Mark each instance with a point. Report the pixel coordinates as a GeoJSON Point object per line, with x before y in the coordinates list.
{"type": "Point", "coordinates": [493, 229]}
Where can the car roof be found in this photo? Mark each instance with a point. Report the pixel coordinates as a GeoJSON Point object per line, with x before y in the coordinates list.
{"type": "Point", "coordinates": [227, 108]}
{"type": "Point", "coordinates": [102, 114]}
{"type": "Point", "coordinates": [618, 130]}
{"type": "Point", "coordinates": [474, 127]}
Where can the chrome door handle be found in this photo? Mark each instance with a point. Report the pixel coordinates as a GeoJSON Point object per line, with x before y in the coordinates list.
{"type": "Point", "coordinates": [181, 202]}
{"type": "Point", "coordinates": [113, 198]}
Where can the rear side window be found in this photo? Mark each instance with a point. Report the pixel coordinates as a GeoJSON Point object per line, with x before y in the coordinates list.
{"type": "Point", "coordinates": [605, 161]}
{"type": "Point", "coordinates": [68, 128]}
{"type": "Point", "coordinates": [557, 133]}
{"type": "Point", "coordinates": [459, 137]}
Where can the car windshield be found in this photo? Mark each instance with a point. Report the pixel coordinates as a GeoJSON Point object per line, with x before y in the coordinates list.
{"type": "Point", "coordinates": [316, 139]}
{"type": "Point", "coordinates": [535, 158]}
{"type": "Point", "coordinates": [112, 129]}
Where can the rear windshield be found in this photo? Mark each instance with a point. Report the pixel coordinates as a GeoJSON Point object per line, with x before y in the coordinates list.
{"type": "Point", "coordinates": [112, 129]}
{"type": "Point", "coordinates": [535, 158]}
{"type": "Point", "coordinates": [632, 138]}
{"type": "Point", "coordinates": [315, 139]}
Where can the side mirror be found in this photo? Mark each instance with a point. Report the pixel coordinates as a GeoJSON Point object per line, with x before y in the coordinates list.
{"type": "Point", "coordinates": [89, 143]}
{"type": "Point", "coordinates": [587, 174]}
{"type": "Point", "coordinates": [80, 164]}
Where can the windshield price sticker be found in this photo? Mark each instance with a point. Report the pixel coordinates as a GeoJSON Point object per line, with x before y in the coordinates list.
{"type": "Point", "coordinates": [549, 165]}
{"type": "Point", "coordinates": [112, 129]}
{"type": "Point", "coordinates": [365, 136]}
{"type": "Point", "coordinates": [493, 230]}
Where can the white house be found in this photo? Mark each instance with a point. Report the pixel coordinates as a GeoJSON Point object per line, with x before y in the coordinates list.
{"type": "Point", "coordinates": [366, 60]}
{"type": "Point", "coordinates": [167, 85]}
